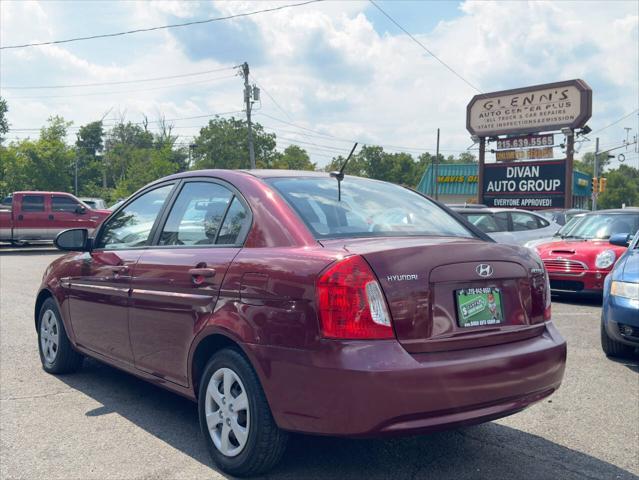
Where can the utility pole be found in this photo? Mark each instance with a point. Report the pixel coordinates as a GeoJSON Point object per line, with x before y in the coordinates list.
{"type": "Point", "coordinates": [595, 173]}
{"type": "Point", "coordinates": [247, 100]}
{"type": "Point", "coordinates": [75, 181]}
{"type": "Point", "coordinates": [437, 167]}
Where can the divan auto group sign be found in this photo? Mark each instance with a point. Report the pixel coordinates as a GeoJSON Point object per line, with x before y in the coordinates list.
{"type": "Point", "coordinates": [529, 185]}
{"type": "Point", "coordinates": [552, 106]}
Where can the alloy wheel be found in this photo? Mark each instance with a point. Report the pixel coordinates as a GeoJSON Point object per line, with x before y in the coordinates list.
{"type": "Point", "coordinates": [49, 336]}
{"type": "Point", "coordinates": [227, 412]}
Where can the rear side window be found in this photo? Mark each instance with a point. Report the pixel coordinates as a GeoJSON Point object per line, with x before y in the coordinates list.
{"type": "Point", "coordinates": [488, 223]}
{"type": "Point", "coordinates": [542, 222]}
{"type": "Point", "coordinates": [523, 221]}
{"type": "Point", "coordinates": [33, 203]}
{"type": "Point", "coordinates": [235, 222]}
{"type": "Point", "coordinates": [204, 213]}
{"type": "Point", "coordinates": [63, 204]}
{"type": "Point", "coordinates": [367, 208]}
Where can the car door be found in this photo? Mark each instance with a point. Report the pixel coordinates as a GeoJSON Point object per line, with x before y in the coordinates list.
{"type": "Point", "coordinates": [68, 212]}
{"type": "Point", "coordinates": [176, 283]}
{"type": "Point", "coordinates": [99, 294]}
{"type": "Point", "coordinates": [31, 218]}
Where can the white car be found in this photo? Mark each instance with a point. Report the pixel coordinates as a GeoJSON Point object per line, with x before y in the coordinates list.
{"type": "Point", "coordinates": [509, 225]}
{"type": "Point", "coordinates": [561, 233]}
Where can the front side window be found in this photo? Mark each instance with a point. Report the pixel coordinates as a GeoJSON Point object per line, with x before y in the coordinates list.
{"type": "Point", "coordinates": [204, 213]}
{"type": "Point", "coordinates": [132, 225]}
{"type": "Point", "coordinates": [64, 204]}
{"type": "Point", "coordinates": [33, 203]}
{"type": "Point", "coordinates": [367, 208]}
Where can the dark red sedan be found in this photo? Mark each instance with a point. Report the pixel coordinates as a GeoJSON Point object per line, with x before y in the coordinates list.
{"type": "Point", "coordinates": [282, 306]}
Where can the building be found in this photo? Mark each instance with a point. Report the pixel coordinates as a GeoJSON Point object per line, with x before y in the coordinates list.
{"type": "Point", "coordinates": [457, 183]}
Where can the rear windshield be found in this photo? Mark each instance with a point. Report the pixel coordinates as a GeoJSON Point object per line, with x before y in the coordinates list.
{"type": "Point", "coordinates": [367, 208]}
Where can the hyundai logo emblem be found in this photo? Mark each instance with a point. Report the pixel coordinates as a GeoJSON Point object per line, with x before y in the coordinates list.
{"type": "Point", "coordinates": [484, 270]}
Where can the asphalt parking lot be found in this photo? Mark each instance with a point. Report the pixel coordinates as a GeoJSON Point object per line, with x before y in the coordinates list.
{"type": "Point", "coordinates": [103, 424]}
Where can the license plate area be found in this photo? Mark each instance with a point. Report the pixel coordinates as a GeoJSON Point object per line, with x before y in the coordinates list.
{"type": "Point", "coordinates": [480, 306]}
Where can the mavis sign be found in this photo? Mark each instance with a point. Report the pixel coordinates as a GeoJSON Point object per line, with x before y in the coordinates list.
{"type": "Point", "coordinates": [529, 185]}
{"type": "Point", "coordinates": [548, 107]}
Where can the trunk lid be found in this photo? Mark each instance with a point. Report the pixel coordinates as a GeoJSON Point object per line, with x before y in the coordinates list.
{"type": "Point", "coordinates": [420, 275]}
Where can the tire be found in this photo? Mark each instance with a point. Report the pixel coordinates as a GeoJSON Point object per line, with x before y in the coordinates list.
{"type": "Point", "coordinates": [262, 444]}
{"type": "Point", "coordinates": [611, 347]}
{"type": "Point", "coordinates": [56, 353]}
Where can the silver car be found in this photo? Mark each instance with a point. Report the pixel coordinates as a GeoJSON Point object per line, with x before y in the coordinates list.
{"type": "Point", "coordinates": [509, 225]}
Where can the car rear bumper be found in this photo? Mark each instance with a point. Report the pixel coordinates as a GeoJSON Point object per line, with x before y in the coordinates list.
{"type": "Point", "coordinates": [591, 281]}
{"type": "Point", "coordinates": [372, 388]}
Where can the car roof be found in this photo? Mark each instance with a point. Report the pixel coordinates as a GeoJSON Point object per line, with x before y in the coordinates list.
{"type": "Point", "coordinates": [616, 210]}
{"type": "Point", "coordinates": [40, 192]}
{"type": "Point", "coordinates": [273, 173]}
{"type": "Point", "coordinates": [491, 210]}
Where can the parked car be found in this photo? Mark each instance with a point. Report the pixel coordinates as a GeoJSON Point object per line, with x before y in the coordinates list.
{"type": "Point", "coordinates": [561, 216]}
{"type": "Point", "coordinates": [95, 203]}
{"type": "Point", "coordinates": [581, 260]}
{"type": "Point", "coordinates": [37, 216]}
{"type": "Point", "coordinates": [563, 232]}
{"type": "Point", "coordinates": [281, 304]}
{"type": "Point", "coordinates": [117, 204]}
{"type": "Point", "coordinates": [509, 225]}
{"type": "Point", "coordinates": [620, 311]}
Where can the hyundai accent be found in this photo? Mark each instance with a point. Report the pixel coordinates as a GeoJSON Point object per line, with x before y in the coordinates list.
{"type": "Point", "coordinates": [286, 301]}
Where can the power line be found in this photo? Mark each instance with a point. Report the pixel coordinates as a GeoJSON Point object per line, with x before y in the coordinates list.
{"type": "Point", "coordinates": [92, 94]}
{"type": "Point", "coordinates": [350, 140]}
{"type": "Point", "coordinates": [424, 47]}
{"type": "Point", "coordinates": [162, 27]}
{"type": "Point", "coordinates": [272, 99]}
{"type": "Point", "coordinates": [123, 82]}
{"type": "Point", "coordinates": [139, 123]}
{"type": "Point", "coordinates": [616, 121]}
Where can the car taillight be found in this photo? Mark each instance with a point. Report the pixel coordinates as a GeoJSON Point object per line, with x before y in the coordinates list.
{"type": "Point", "coordinates": [350, 302]}
{"type": "Point", "coordinates": [547, 300]}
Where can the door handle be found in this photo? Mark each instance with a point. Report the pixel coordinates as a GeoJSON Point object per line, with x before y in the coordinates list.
{"type": "Point", "coordinates": [20, 217]}
{"type": "Point", "coordinates": [50, 217]}
{"type": "Point", "coordinates": [119, 269]}
{"type": "Point", "coordinates": [200, 276]}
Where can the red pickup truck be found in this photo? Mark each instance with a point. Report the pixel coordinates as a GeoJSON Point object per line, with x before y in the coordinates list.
{"type": "Point", "coordinates": [40, 216]}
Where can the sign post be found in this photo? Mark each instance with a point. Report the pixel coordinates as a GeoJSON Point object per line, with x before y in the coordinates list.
{"type": "Point", "coordinates": [560, 106]}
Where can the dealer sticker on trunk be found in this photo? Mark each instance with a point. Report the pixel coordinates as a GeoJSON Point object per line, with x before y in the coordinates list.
{"type": "Point", "coordinates": [479, 306]}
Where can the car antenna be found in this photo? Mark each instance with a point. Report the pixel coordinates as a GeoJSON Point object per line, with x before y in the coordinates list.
{"type": "Point", "coordinates": [339, 176]}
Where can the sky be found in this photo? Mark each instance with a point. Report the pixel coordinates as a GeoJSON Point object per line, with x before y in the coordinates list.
{"type": "Point", "coordinates": [331, 72]}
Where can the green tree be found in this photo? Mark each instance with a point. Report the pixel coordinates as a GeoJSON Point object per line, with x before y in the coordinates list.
{"type": "Point", "coordinates": [223, 144]}
{"type": "Point", "coordinates": [42, 164]}
{"type": "Point", "coordinates": [145, 166]}
{"type": "Point", "coordinates": [4, 123]}
{"type": "Point", "coordinates": [89, 145]}
{"type": "Point", "coordinates": [622, 187]}
{"type": "Point", "coordinates": [587, 163]}
{"type": "Point", "coordinates": [294, 158]}
{"type": "Point", "coordinates": [122, 143]}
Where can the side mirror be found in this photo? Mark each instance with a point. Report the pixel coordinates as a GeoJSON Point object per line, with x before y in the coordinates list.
{"type": "Point", "coordinates": [73, 240]}
{"type": "Point", "coordinates": [81, 209]}
{"type": "Point", "coordinates": [620, 239]}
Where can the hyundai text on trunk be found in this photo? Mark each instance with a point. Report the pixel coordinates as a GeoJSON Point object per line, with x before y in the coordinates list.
{"type": "Point", "coordinates": [287, 301]}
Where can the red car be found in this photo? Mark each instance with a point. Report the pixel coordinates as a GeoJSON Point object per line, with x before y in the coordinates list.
{"type": "Point", "coordinates": [282, 305]}
{"type": "Point", "coordinates": [580, 261]}
{"type": "Point", "coordinates": [40, 216]}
